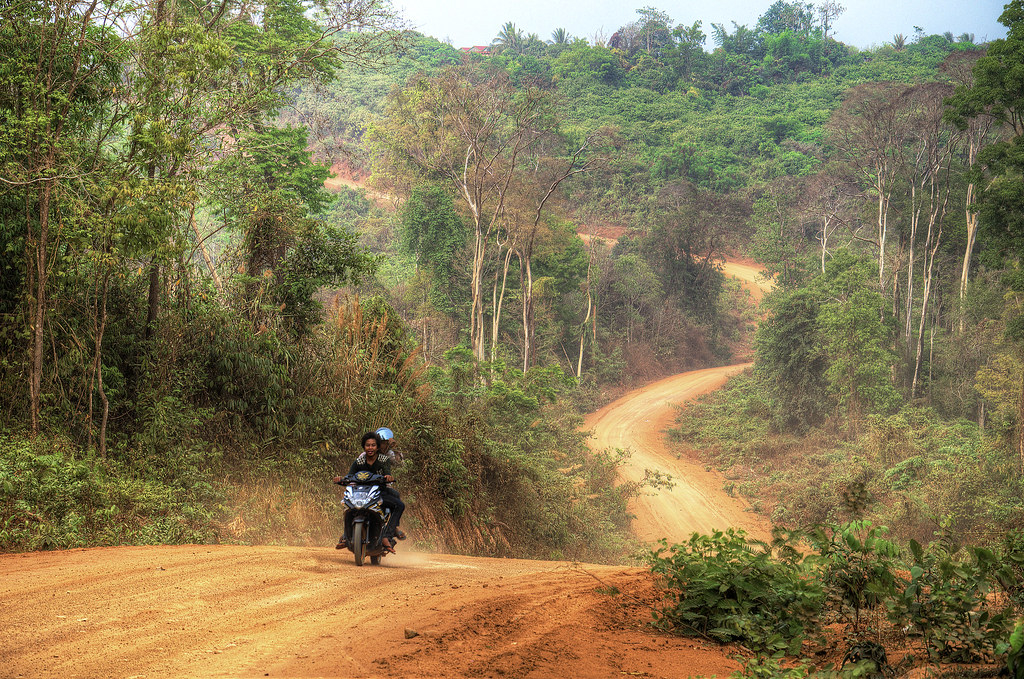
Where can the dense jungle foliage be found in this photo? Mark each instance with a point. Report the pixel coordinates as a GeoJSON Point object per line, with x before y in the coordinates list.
{"type": "Point", "coordinates": [845, 600]}
{"type": "Point", "coordinates": [195, 332]}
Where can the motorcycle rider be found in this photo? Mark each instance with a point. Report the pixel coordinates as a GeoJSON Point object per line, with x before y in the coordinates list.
{"type": "Point", "coordinates": [372, 461]}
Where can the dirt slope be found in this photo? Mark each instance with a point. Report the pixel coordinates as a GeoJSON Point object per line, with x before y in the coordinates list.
{"type": "Point", "coordinates": [228, 611]}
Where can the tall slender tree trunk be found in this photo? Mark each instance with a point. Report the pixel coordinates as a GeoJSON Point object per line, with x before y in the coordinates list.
{"type": "Point", "coordinates": [583, 336]}
{"type": "Point", "coordinates": [153, 300]}
{"type": "Point", "coordinates": [883, 230]}
{"type": "Point", "coordinates": [590, 308]}
{"type": "Point", "coordinates": [824, 243]}
{"type": "Point", "coordinates": [476, 322]}
{"type": "Point", "coordinates": [935, 219]}
{"type": "Point", "coordinates": [101, 328]}
{"type": "Point", "coordinates": [977, 132]}
{"type": "Point", "coordinates": [915, 217]}
{"type": "Point", "coordinates": [528, 329]}
{"type": "Point", "coordinates": [498, 302]}
{"type": "Point", "coordinates": [972, 235]}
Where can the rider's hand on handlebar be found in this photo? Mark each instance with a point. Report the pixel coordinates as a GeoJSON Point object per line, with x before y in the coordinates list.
{"type": "Point", "coordinates": [337, 479]}
{"type": "Point", "coordinates": [389, 478]}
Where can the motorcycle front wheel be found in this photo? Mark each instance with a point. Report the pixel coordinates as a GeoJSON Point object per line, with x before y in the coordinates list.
{"type": "Point", "coordinates": [358, 546]}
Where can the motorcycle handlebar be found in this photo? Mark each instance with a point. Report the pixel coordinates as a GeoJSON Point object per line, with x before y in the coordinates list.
{"type": "Point", "coordinates": [374, 480]}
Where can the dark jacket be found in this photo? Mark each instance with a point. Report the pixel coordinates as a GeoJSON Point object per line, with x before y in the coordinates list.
{"type": "Point", "coordinates": [380, 466]}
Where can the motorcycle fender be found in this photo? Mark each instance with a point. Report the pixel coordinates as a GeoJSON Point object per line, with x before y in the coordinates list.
{"type": "Point", "coordinates": [351, 519]}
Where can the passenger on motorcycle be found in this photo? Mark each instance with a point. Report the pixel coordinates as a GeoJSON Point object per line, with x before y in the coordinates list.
{"type": "Point", "coordinates": [393, 457]}
{"type": "Point", "coordinates": [370, 460]}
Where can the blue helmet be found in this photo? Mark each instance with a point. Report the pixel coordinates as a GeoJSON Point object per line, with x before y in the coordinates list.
{"type": "Point", "coordinates": [385, 434]}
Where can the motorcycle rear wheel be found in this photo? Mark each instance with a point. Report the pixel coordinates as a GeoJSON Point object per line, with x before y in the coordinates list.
{"type": "Point", "coordinates": [358, 546]}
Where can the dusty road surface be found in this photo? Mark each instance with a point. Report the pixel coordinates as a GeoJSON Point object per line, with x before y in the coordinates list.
{"type": "Point", "coordinates": [637, 422]}
{"type": "Point", "coordinates": [229, 611]}
{"type": "Point", "coordinates": [225, 611]}
{"type": "Point", "coordinates": [749, 275]}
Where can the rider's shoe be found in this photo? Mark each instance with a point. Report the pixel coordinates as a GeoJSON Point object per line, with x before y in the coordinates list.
{"type": "Point", "coordinates": [388, 545]}
{"type": "Point", "coordinates": [399, 533]}
{"type": "Point", "coordinates": [342, 543]}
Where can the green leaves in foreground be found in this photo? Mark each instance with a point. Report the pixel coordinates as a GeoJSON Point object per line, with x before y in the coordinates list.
{"type": "Point", "coordinates": [771, 598]}
{"type": "Point", "coordinates": [946, 602]}
{"type": "Point", "coordinates": [729, 588]}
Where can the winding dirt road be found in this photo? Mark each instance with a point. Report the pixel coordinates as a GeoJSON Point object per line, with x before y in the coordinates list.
{"type": "Point", "coordinates": [230, 611]}
{"type": "Point", "coordinates": [637, 422]}
{"type": "Point", "coordinates": [749, 275]}
{"type": "Point", "coordinates": [696, 502]}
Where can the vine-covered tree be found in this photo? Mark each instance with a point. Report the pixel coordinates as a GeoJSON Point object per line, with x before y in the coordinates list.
{"type": "Point", "coordinates": [437, 236]}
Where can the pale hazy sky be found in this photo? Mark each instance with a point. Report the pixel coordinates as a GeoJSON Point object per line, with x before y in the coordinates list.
{"type": "Point", "coordinates": [864, 24]}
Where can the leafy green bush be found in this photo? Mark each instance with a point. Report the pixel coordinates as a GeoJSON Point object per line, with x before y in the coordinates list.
{"type": "Point", "coordinates": [946, 602]}
{"type": "Point", "coordinates": [857, 568]}
{"type": "Point", "coordinates": [1011, 574]}
{"type": "Point", "coordinates": [51, 499]}
{"type": "Point", "coordinates": [1015, 651]}
{"type": "Point", "coordinates": [776, 598]}
{"type": "Point", "coordinates": [728, 588]}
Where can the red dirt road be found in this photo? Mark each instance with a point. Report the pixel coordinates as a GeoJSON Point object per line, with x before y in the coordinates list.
{"type": "Point", "coordinates": [223, 611]}
{"type": "Point", "coordinates": [637, 422]}
{"type": "Point", "coordinates": [749, 275]}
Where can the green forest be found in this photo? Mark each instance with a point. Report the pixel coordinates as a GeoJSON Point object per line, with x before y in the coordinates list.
{"type": "Point", "coordinates": [235, 237]}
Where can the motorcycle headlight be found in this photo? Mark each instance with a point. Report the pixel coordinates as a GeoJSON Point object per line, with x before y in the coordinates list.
{"type": "Point", "coordinates": [357, 497]}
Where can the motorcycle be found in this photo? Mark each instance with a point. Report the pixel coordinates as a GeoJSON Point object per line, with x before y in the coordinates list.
{"type": "Point", "coordinates": [365, 516]}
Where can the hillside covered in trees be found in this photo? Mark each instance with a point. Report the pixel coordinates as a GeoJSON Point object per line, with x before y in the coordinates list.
{"type": "Point", "coordinates": [195, 331]}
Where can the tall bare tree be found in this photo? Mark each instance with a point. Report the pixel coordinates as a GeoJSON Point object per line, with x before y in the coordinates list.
{"type": "Point", "coordinates": [868, 130]}
{"type": "Point", "coordinates": [926, 161]}
{"type": "Point", "coordinates": [484, 136]}
{"type": "Point", "coordinates": [976, 132]}
{"type": "Point", "coordinates": [548, 172]}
